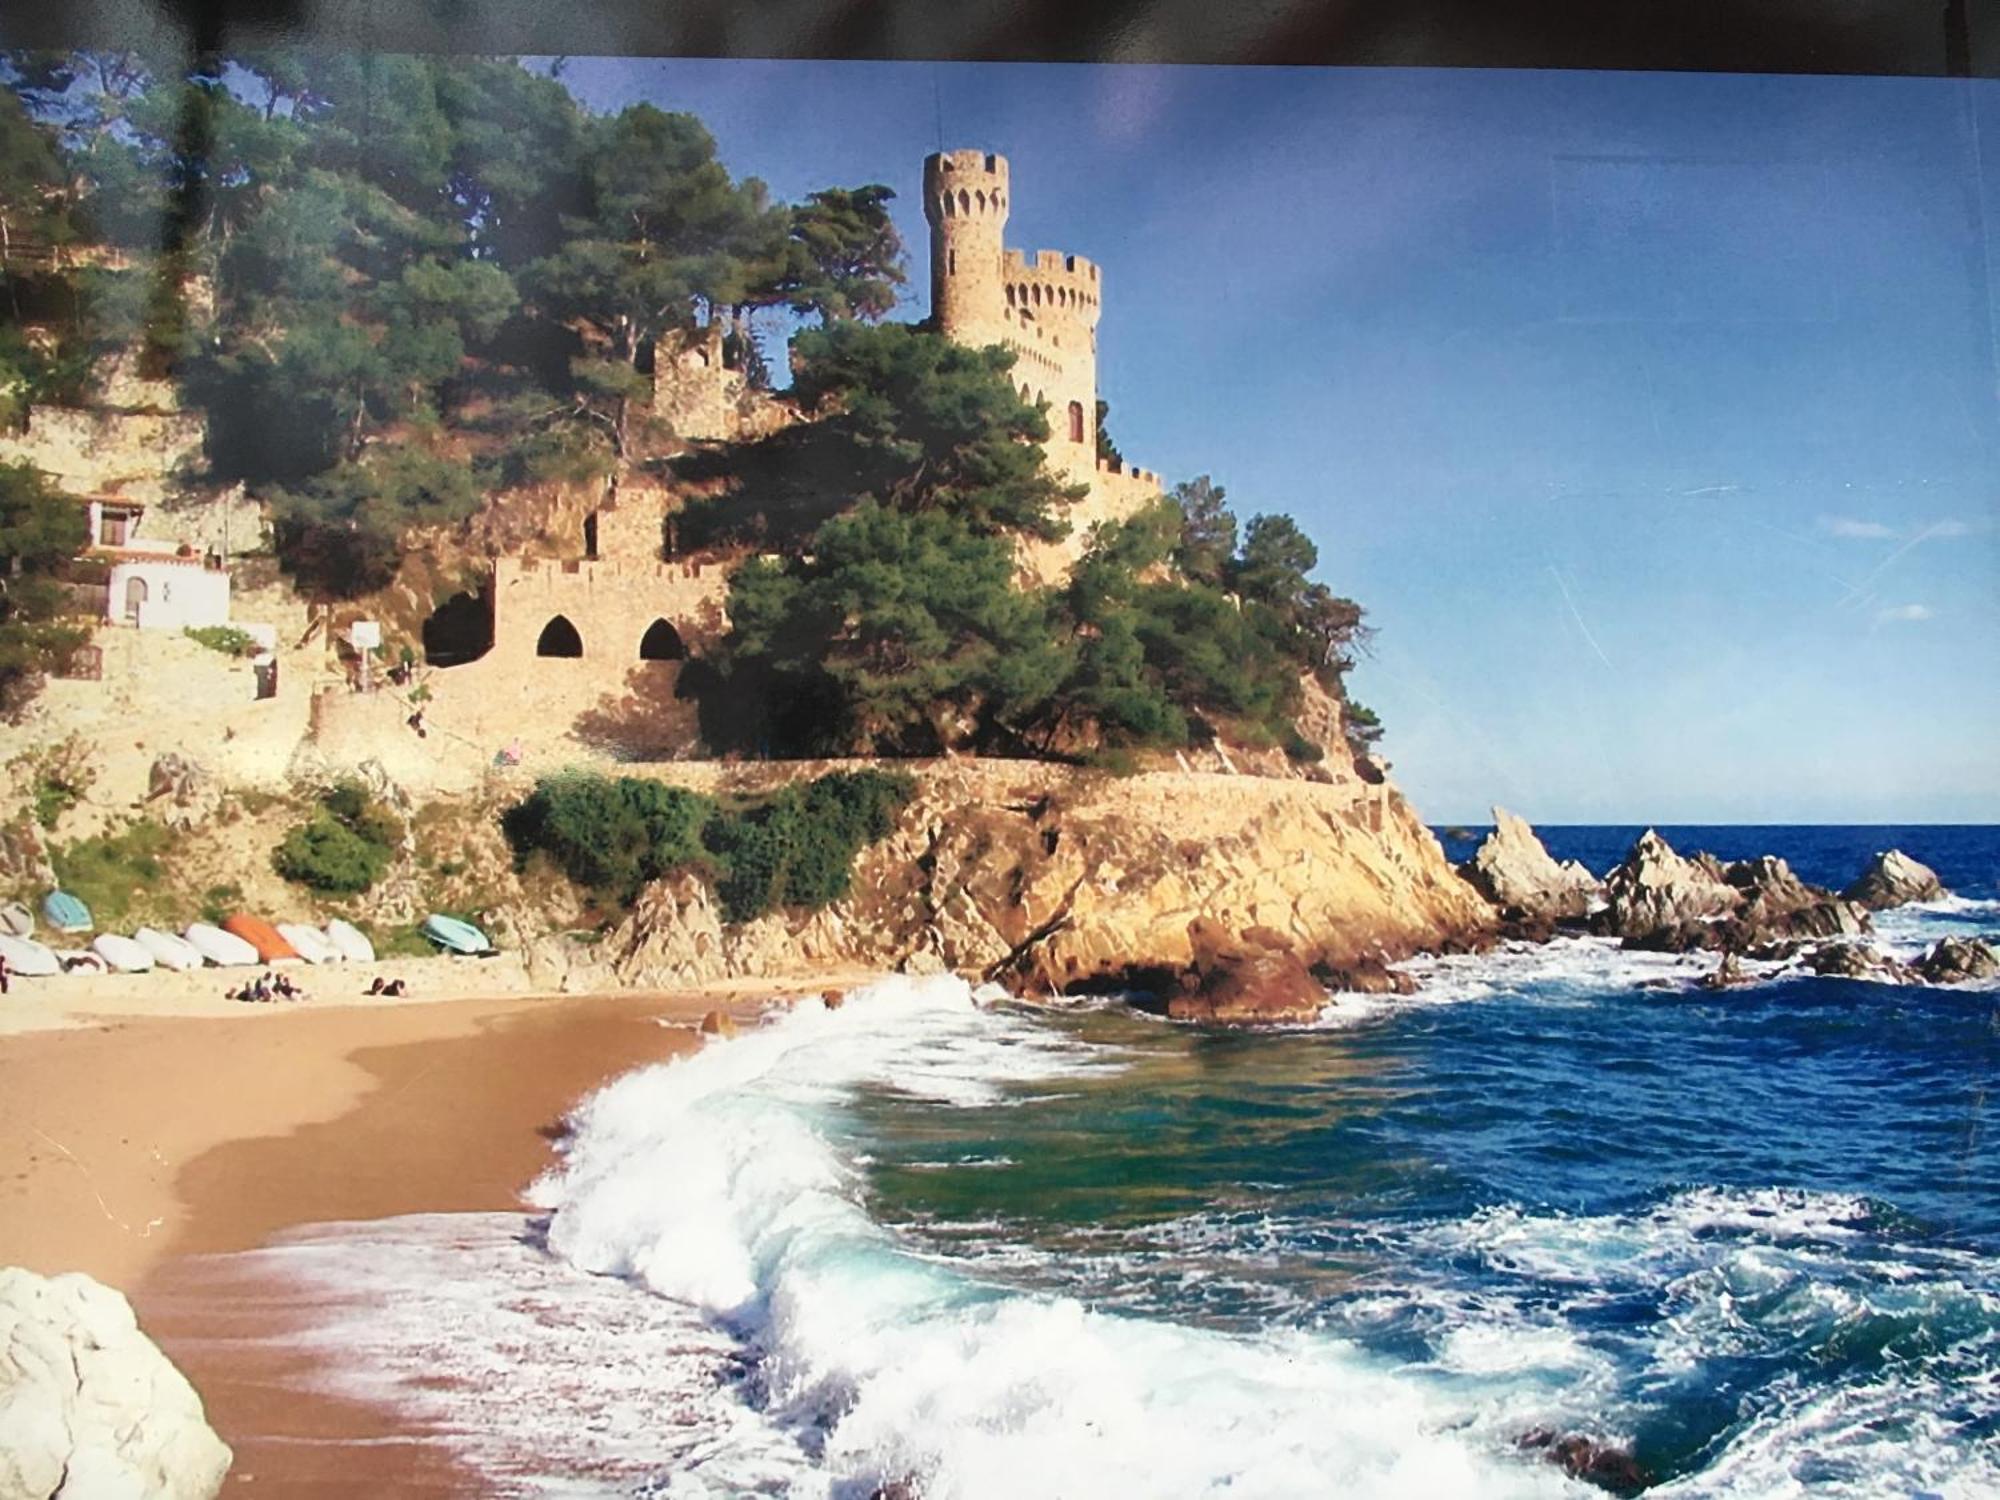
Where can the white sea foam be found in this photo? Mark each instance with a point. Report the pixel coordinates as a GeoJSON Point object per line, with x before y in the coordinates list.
{"type": "Point", "coordinates": [716, 1181]}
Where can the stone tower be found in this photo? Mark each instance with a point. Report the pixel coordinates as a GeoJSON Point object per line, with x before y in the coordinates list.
{"type": "Point", "coordinates": [1043, 307]}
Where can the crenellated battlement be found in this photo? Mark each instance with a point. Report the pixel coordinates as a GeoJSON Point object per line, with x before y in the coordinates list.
{"type": "Point", "coordinates": [1041, 305]}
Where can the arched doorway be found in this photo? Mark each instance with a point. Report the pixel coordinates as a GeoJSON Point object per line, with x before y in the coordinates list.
{"type": "Point", "coordinates": [135, 598]}
{"type": "Point", "coordinates": [1076, 421]}
{"type": "Point", "coordinates": [559, 638]}
{"type": "Point", "coordinates": [459, 630]}
{"type": "Point", "coordinates": [662, 643]}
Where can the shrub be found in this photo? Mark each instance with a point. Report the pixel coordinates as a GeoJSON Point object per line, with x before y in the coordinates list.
{"type": "Point", "coordinates": [610, 836]}
{"type": "Point", "coordinates": [224, 638]}
{"type": "Point", "coordinates": [797, 848]}
{"type": "Point", "coordinates": [793, 848]}
{"type": "Point", "coordinates": [345, 846]}
{"type": "Point", "coordinates": [327, 855]}
{"type": "Point", "coordinates": [114, 872]}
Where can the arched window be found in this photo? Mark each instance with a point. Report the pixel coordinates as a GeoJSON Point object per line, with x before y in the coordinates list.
{"type": "Point", "coordinates": [662, 643]}
{"type": "Point", "coordinates": [1076, 421]}
{"type": "Point", "coordinates": [964, 201]}
{"type": "Point", "coordinates": [559, 638]}
{"type": "Point", "coordinates": [590, 535]}
{"type": "Point", "coordinates": [980, 199]}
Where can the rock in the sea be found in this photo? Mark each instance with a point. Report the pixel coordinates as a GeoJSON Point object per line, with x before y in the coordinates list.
{"type": "Point", "coordinates": [1894, 879]}
{"type": "Point", "coordinates": [1605, 1465]}
{"type": "Point", "coordinates": [718, 1023]}
{"type": "Point", "coordinates": [1512, 869]}
{"type": "Point", "coordinates": [89, 1408]}
{"type": "Point", "coordinates": [1251, 978]}
{"type": "Point", "coordinates": [1656, 897]}
{"type": "Point", "coordinates": [1954, 960]}
{"type": "Point", "coordinates": [1857, 961]}
{"type": "Point", "coordinates": [1779, 909]}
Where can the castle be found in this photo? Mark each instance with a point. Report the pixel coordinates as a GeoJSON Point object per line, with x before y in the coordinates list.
{"type": "Point", "coordinates": [620, 619]}
{"type": "Point", "coordinates": [1045, 309]}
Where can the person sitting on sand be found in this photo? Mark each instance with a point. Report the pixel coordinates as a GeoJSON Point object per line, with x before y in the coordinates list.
{"type": "Point", "coordinates": [3, 973]}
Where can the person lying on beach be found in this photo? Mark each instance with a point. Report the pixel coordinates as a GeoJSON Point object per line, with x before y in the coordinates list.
{"type": "Point", "coordinates": [392, 988]}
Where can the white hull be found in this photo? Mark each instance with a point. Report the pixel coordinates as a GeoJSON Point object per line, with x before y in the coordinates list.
{"type": "Point", "coordinates": [122, 953]}
{"type": "Point", "coordinates": [168, 951]}
{"type": "Point", "coordinates": [223, 949]}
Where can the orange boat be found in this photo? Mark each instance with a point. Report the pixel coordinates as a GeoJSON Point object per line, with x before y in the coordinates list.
{"type": "Point", "coordinates": [261, 935]}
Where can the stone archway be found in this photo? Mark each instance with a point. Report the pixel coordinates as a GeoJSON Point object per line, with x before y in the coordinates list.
{"type": "Point", "coordinates": [135, 598]}
{"type": "Point", "coordinates": [662, 643]}
{"type": "Point", "coordinates": [559, 638]}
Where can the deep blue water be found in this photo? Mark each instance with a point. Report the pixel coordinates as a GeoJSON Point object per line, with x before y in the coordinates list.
{"type": "Point", "coordinates": [1965, 856]}
{"type": "Point", "coordinates": [1754, 1235]}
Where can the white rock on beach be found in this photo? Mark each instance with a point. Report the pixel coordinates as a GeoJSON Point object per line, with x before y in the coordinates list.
{"type": "Point", "coordinates": [89, 1407]}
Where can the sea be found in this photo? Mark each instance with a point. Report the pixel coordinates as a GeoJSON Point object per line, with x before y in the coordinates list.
{"type": "Point", "coordinates": [937, 1243]}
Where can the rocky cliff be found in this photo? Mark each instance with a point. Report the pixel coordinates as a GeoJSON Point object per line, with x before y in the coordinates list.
{"type": "Point", "coordinates": [1049, 879]}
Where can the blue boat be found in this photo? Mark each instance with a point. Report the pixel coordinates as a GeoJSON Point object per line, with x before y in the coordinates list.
{"type": "Point", "coordinates": [64, 913]}
{"type": "Point", "coordinates": [455, 936]}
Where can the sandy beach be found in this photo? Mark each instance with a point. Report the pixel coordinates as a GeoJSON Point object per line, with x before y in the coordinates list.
{"type": "Point", "coordinates": [137, 1146]}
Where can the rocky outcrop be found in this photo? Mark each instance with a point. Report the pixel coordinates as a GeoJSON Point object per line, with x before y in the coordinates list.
{"type": "Point", "coordinates": [1248, 979]}
{"type": "Point", "coordinates": [1657, 899]}
{"type": "Point", "coordinates": [1779, 910]}
{"type": "Point", "coordinates": [181, 791]}
{"type": "Point", "coordinates": [1053, 879]}
{"type": "Point", "coordinates": [1858, 961]}
{"type": "Point", "coordinates": [89, 1408]}
{"type": "Point", "coordinates": [1513, 870]}
{"type": "Point", "coordinates": [1954, 960]}
{"type": "Point", "coordinates": [1894, 879]}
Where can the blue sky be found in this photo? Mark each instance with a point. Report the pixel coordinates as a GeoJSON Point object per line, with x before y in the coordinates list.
{"type": "Point", "coordinates": [1652, 417]}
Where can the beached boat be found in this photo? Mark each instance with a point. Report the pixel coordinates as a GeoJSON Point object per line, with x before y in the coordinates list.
{"type": "Point", "coordinates": [261, 935]}
{"type": "Point", "coordinates": [16, 920]}
{"type": "Point", "coordinates": [28, 958]}
{"type": "Point", "coordinates": [169, 951]}
{"type": "Point", "coordinates": [64, 913]}
{"type": "Point", "coordinates": [224, 949]}
{"type": "Point", "coordinates": [124, 954]}
{"type": "Point", "coordinates": [310, 943]}
{"type": "Point", "coordinates": [455, 936]}
{"type": "Point", "coordinates": [351, 941]}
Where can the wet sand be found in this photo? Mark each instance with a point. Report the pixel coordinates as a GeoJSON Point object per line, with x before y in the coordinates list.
{"type": "Point", "coordinates": [139, 1150]}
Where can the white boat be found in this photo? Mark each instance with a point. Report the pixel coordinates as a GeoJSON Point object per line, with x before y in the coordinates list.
{"type": "Point", "coordinates": [124, 954]}
{"type": "Point", "coordinates": [28, 958]}
{"type": "Point", "coordinates": [16, 920]}
{"type": "Point", "coordinates": [314, 946]}
{"type": "Point", "coordinates": [169, 951]}
{"type": "Point", "coordinates": [351, 941]}
{"type": "Point", "coordinates": [223, 949]}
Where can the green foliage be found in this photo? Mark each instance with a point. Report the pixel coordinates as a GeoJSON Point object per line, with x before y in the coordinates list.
{"type": "Point", "coordinates": [894, 628]}
{"type": "Point", "coordinates": [610, 835]}
{"type": "Point", "coordinates": [1361, 726]}
{"type": "Point", "coordinates": [224, 638]}
{"type": "Point", "coordinates": [341, 533]}
{"type": "Point", "coordinates": [1107, 449]}
{"type": "Point", "coordinates": [933, 425]}
{"type": "Point", "coordinates": [794, 848]}
{"type": "Point", "coordinates": [40, 529]}
{"type": "Point", "coordinates": [114, 872]}
{"type": "Point", "coordinates": [797, 848]}
{"type": "Point", "coordinates": [842, 257]}
{"type": "Point", "coordinates": [344, 846]}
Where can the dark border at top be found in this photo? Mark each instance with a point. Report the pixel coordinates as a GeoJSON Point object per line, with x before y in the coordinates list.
{"type": "Point", "coordinates": [1902, 37]}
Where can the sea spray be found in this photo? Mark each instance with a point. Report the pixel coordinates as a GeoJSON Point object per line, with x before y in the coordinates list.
{"type": "Point", "coordinates": [716, 1180]}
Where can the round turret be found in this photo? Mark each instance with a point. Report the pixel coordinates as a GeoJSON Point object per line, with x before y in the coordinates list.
{"type": "Point", "coordinates": [965, 200]}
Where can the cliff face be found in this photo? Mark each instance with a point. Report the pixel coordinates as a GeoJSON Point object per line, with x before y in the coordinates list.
{"type": "Point", "coordinates": [1050, 878]}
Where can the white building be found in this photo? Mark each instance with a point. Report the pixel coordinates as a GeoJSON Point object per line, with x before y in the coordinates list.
{"type": "Point", "coordinates": [153, 584]}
